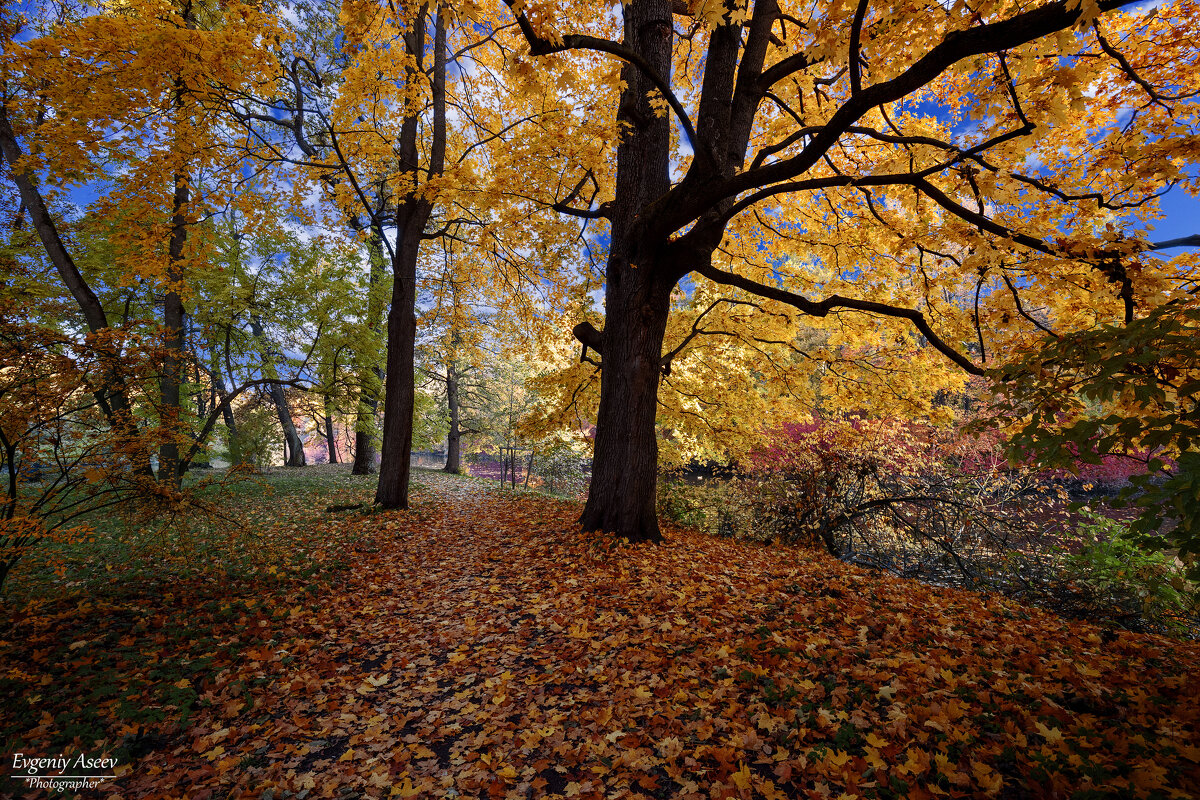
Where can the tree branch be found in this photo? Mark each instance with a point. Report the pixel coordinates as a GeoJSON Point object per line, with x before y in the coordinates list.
{"type": "Point", "coordinates": [834, 302]}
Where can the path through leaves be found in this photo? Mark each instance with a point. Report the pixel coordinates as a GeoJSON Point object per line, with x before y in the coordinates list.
{"type": "Point", "coordinates": [481, 647]}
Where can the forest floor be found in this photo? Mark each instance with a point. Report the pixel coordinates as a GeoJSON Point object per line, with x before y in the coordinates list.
{"type": "Point", "coordinates": [480, 646]}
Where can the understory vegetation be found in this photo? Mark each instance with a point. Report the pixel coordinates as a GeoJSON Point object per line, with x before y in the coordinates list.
{"type": "Point", "coordinates": [948, 509]}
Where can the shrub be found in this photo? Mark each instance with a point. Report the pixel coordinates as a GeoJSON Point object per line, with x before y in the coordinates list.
{"type": "Point", "coordinates": [257, 434]}
{"type": "Point", "coordinates": [1111, 570]}
{"type": "Point", "coordinates": [905, 497]}
{"type": "Point", "coordinates": [560, 470]}
{"type": "Point", "coordinates": [946, 509]}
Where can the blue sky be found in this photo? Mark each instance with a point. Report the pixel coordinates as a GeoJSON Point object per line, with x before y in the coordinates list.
{"type": "Point", "coordinates": [1183, 217]}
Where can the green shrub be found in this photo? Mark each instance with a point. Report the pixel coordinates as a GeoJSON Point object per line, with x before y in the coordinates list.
{"type": "Point", "coordinates": [1115, 570]}
{"type": "Point", "coordinates": [560, 470]}
{"type": "Point", "coordinates": [257, 434]}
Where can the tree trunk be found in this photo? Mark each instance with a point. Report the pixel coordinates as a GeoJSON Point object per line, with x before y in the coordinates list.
{"type": "Point", "coordinates": [368, 397]}
{"type": "Point", "coordinates": [411, 215]}
{"type": "Point", "coordinates": [293, 445]}
{"type": "Point", "coordinates": [454, 437]}
{"type": "Point", "coordinates": [399, 393]}
{"type": "Point", "coordinates": [621, 499]}
{"type": "Point", "coordinates": [330, 435]}
{"type": "Point", "coordinates": [218, 382]}
{"type": "Point", "coordinates": [623, 491]}
{"type": "Point", "coordinates": [172, 367]}
{"type": "Point", "coordinates": [364, 431]}
{"type": "Point", "coordinates": [113, 396]}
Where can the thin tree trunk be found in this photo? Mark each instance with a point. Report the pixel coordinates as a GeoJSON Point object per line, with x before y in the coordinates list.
{"type": "Point", "coordinates": [364, 430]}
{"type": "Point", "coordinates": [218, 382]}
{"type": "Point", "coordinates": [113, 397]}
{"type": "Point", "coordinates": [368, 397]}
{"type": "Point", "coordinates": [330, 437]}
{"type": "Point", "coordinates": [411, 215]}
{"type": "Point", "coordinates": [293, 445]}
{"type": "Point", "coordinates": [172, 367]}
{"type": "Point", "coordinates": [454, 437]}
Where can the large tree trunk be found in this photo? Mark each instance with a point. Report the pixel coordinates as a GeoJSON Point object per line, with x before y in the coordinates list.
{"type": "Point", "coordinates": [625, 469]}
{"type": "Point", "coordinates": [637, 298]}
{"type": "Point", "coordinates": [411, 215]}
{"type": "Point", "coordinates": [399, 395]}
{"type": "Point", "coordinates": [454, 437]}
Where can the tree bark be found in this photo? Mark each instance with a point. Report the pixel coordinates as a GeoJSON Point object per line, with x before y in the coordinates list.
{"type": "Point", "coordinates": [364, 430]}
{"type": "Point", "coordinates": [293, 445]}
{"type": "Point", "coordinates": [330, 435]}
{"type": "Point", "coordinates": [172, 365]}
{"type": "Point", "coordinates": [218, 382]}
{"type": "Point", "coordinates": [412, 213]}
{"type": "Point", "coordinates": [399, 394]}
{"type": "Point", "coordinates": [454, 437]}
{"type": "Point", "coordinates": [368, 396]}
{"type": "Point", "coordinates": [623, 491]}
{"type": "Point", "coordinates": [624, 484]}
{"type": "Point", "coordinates": [113, 396]}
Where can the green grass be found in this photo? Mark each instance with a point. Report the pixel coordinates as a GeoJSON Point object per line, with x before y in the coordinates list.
{"type": "Point", "coordinates": [271, 526]}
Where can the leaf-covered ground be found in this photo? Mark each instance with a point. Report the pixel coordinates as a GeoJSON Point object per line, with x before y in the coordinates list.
{"type": "Point", "coordinates": [482, 647]}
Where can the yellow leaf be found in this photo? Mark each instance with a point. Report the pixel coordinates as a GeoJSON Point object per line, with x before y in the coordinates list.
{"type": "Point", "coordinates": [405, 789]}
{"type": "Point", "coordinates": [988, 780]}
{"type": "Point", "coordinates": [1052, 735]}
{"type": "Point", "coordinates": [741, 778]}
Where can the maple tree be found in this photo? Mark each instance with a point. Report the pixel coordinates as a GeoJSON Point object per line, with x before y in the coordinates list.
{"type": "Point", "coordinates": [1125, 391]}
{"type": "Point", "coordinates": [955, 175]}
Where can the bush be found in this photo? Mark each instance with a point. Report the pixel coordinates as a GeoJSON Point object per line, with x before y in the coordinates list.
{"type": "Point", "coordinates": [560, 470]}
{"type": "Point", "coordinates": [908, 498]}
{"type": "Point", "coordinates": [1111, 570]}
{"type": "Point", "coordinates": [943, 508]}
{"type": "Point", "coordinates": [257, 434]}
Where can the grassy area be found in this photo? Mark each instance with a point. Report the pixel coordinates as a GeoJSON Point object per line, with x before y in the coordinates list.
{"type": "Point", "coordinates": [271, 526]}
